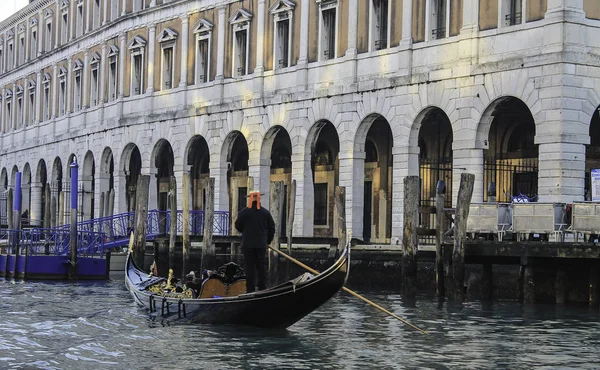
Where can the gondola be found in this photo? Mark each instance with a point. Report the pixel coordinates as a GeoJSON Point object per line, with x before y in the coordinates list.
{"type": "Point", "coordinates": [276, 307]}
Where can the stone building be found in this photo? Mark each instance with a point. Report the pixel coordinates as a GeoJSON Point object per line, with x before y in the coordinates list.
{"type": "Point", "coordinates": [358, 93]}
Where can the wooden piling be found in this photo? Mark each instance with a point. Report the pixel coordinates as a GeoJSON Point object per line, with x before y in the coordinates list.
{"type": "Point", "coordinates": [410, 240]}
{"type": "Point", "coordinates": [439, 238]}
{"type": "Point", "coordinates": [276, 195]}
{"type": "Point", "coordinates": [53, 211]}
{"type": "Point", "coordinates": [560, 285]}
{"type": "Point", "coordinates": [141, 219]}
{"type": "Point", "coordinates": [9, 209]}
{"type": "Point", "coordinates": [47, 211]}
{"type": "Point", "coordinates": [290, 216]}
{"type": "Point", "coordinates": [340, 207]}
{"type": "Point", "coordinates": [185, 202]}
{"type": "Point", "coordinates": [463, 202]}
{"type": "Point", "coordinates": [594, 290]}
{"type": "Point", "coordinates": [173, 224]}
{"type": "Point", "coordinates": [101, 205]}
{"type": "Point", "coordinates": [208, 248]}
{"type": "Point", "coordinates": [111, 203]}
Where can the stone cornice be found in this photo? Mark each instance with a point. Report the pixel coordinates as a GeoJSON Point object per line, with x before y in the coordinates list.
{"type": "Point", "coordinates": [24, 13]}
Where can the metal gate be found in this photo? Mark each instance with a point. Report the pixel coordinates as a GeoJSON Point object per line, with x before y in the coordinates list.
{"type": "Point", "coordinates": [512, 176]}
{"type": "Point", "coordinates": [430, 172]}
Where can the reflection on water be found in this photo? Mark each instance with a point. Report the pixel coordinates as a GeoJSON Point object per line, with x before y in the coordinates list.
{"type": "Point", "coordinates": [97, 325]}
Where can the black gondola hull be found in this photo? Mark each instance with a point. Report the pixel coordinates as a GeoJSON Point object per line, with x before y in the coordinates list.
{"type": "Point", "coordinates": [277, 307]}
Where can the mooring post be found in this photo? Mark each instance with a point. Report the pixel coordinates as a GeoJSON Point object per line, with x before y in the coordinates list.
{"type": "Point", "coordinates": [47, 211]}
{"type": "Point", "coordinates": [594, 293]}
{"type": "Point", "coordinates": [73, 229]}
{"type": "Point", "coordinates": [141, 219]}
{"type": "Point", "coordinates": [560, 285]}
{"type": "Point", "coordinates": [463, 202]}
{"type": "Point", "coordinates": [10, 219]}
{"type": "Point", "coordinates": [290, 216]}
{"type": "Point", "coordinates": [208, 248]}
{"type": "Point", "coordinates": [173, 224]}
{"type": "Point", "coordinates": [276, 209]}
{"type": "Point", "coordinates": [17, 215]}
{"type": "Point", "coordinates": [439, 238]}
{"type": "Point", "coordinates": [487, 273]}
{"type": "Point", "coordinates": [410, 239]}
{"type": "Point", "coordinates": [185, 202]}
{"type": "Point", "coordinates": [340, 206]}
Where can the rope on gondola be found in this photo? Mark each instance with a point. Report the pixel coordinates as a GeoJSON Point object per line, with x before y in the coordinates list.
{"type": "Point", "coordinates": [313, 271]}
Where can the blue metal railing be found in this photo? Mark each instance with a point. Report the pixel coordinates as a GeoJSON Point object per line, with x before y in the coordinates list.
{"type": "Point", "coordinates": [96, 235]}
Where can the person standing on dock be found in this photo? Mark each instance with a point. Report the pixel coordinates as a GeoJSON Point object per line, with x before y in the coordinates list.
{"type": "Point", "coordinates": [258, 229]}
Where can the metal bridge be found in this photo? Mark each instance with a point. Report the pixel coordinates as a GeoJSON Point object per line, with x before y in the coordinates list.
{"type": "Point", "coordinates": [97, 235]}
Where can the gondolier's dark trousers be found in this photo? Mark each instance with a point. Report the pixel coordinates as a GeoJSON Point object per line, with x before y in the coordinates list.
{"type": "Point", "coordinates": [255, 266]}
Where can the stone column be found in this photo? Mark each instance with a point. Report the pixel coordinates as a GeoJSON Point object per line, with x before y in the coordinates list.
{"type": "Point", "coordinates": [565, 8]}
{"type": "Point", "coordinates": [15, 48]}
{"type": "Point", "coordinates": [302, 74]}
{"type": "Point", "coordinates": [41, 33]}
{"type": "Point", "coordinates": [124, 12]}
{"type": "Point", "coordinates": [561, 171]}
{"type": "Point", "coordinates": [36, 212]}
{"type": "Point", "coordinates": [304, 212]}
{"type": "Point", "coordinates": [27, 40]}
{"type": "Point", "coordinates": [106, 17]}
{"type": "Point", "coordinates": [57, 25]}
{"type": "Point", "coordinates": [261, 171]}
{"type": "Point", "coordinates": [352, 30]}
{"type": "Point", "coordinates": [260, 39]}
{"type": "Point", "coordinates": [85, 76]}
{"type": "Point", "coordinates": [122, 50]}
{"type": "Point", "coordinates": [220, 60]}
{"type": "Point", "coordinates": [351, 176]}
{"type": "Point", "coordinates": [14, 104]}
{"type": "Point", "coordinates": [55, 91]}
{"type": "Point", "coordinates": [185, 35]}
{"type": "Point", "coordinates": [405, 163]}
{"type": "Point", "coordinates": [102, 81]}
{"type": "Point", "coordinates": [2, 103]}
{"type": "Point", "coordinates": [4, 56]}
{"type": "Point", "coordinates": [72, 16]}
{"type": "Point", "coordinates": [38, 97]}
{"type": "Point", "coordinates": [69, 95]}
{"type": "Point", "coordinates": [121, 191]}
{"type": "Point", "coordinates": [470, 16]}
{"type": "Point", "coordinates": [88, 12]}
{"type": "Point", "coordinates": [153, 191]}
{"type": "Point", "coordinates": [218, 170]}
{"type": "Point", "coordinates": [151, 56]}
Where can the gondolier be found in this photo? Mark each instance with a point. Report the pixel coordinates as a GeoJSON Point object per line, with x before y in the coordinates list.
{"type": "Point", "coordinates": [258, 229]}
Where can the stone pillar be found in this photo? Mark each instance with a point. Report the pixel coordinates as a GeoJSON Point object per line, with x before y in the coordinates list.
{"type": "Point", "coordinates": [124, 11]}
{"type": "Point", "coordinates": [86, 71]}
{"type": "Point", "coordinates": [565, 8]}
{"type": "Point", "coordinates": [260, 38]}
{"type": "Point", "coordinates": [88, 12]}
{"type": "Point", "coordinates": [351, 178]}
{"type": "Point", "coordinates": [405, 163]}
{"type": "Point", "coordinates": [72, 13]}
{"type": "Point", "coordinates": [2, 103]}
{"type": "Point", "coordinates": [27, 40]}
{"type": "Point", "coordinates": [406, 41]}
{"type": "Point", "coordinates": [57, 25]}
{"type": "Point", "coordinates": [469, 161]}
{"type": "Point", "coordinates": [122, 50]}
{"type": "Point", "coordinates": [102, 81]}
{"type": "Point", "coordinates": [105, 12]}
{"type": "Point", "coordinates": [352, 29]}
{"type": "Point", "coordinates": [185, 40]}
{"type": "Point", "coordinates": [54, 91]}
{"type": "Point", "coordinates": [305, 206]}
{"type": "Point", "coordinates": [102, 181]}
{"type": "Point", "coordinates": [261, 170]}
{"type": "Point", "coordinates": [36, 211]}
{"type": "Point", "coordinates": [302, 73]}
{"type": "Point", "coordinates": [38, 97]}
{"type": "Point", "coordinates": [561, 171]}
{"type": "Point", "coordinates": [218, 170]}
{"type": "Point", "coordinates": [220, 59]}
{"type": "Point", "coordinates": [41, 33]}
{"type": "Point", "coordinates": [69, 95]}
{"type": "Point", "coordinates": [151, 56]}
{"type": "Point", "coordinates": [153, 190]}
{"type": "Point", "coordinates": [121, 196]}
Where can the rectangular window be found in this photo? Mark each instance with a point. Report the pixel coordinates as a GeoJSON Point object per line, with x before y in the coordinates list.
{"type": "Point", "coordinates": [282, 47]}
{"type": "Point", "coordinates": [241, 38]}
{"type": "Point", "coordinates": [380, 24]}
{"type": "Point", "coordinates": [321, 204]}
{"type": "Point", "coordinates": [32, 106]}
{"type": "Point", "coordinates": [202, 61]}
{"type": "Point", "coordinates": [112, 79]}
{"type": "Point", "coordinates": [64, 34]}
{"type": "Point", "coordinates": [46, 104]}
{"type": "Point", "coordinates": [328, 39]}
{"type": "Point", "coordinates": [95, 14]}
{"type": "Point", "coordinates": [167, 68]}
{"type": "Point", "coordinates": [21, 50]}
{"type": "Point", "coordinates": [136, 76]}
{"type": "Point", "coordinates": [79, 25]}
{"type": "Point", "coordinates": [34, 45]}
{"type": "Point", "coordinates": [48, 35]}
{"type": "Point", "coordinates": [94, 87]}
{"type": "Point", "coordinates": [512, 12]}
{"type": "Point", "coordinates": [77, 93]}
{"type": "Point", "coordinates": [8, 115]}
{"type": "Point", "coordinates": [61, 98]}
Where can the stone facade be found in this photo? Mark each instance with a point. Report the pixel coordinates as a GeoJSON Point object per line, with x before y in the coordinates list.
{"type": "Point", "coordinates": [325, 93]}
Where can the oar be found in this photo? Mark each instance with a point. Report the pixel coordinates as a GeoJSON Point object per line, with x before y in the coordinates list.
{"type": "Point", "coordinates": [349, 291]}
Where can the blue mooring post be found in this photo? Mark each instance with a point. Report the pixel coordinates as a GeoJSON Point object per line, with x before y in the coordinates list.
{"type": "Point", "coordinates": [17, 214]}
{"type": "Point", "coordinates": [73, 229]}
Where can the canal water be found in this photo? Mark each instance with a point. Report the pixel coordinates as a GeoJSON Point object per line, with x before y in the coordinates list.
{"type": "Point", "coordinates": [97, 326]}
